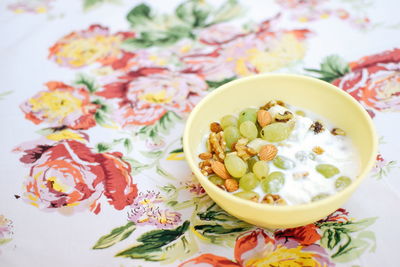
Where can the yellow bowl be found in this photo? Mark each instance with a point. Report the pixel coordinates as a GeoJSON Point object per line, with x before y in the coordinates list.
{"type": "Point", "coordinates": [315, 95]}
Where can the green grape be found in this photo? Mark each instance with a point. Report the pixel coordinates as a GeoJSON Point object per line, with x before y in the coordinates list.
{"type": "Point", "coordinates": [248, 181]}
{"type": "Point", "coordinates": [216, 180]}
{"type": "Point", "coordinates": [261, 169]}
{"type": "Point", "coordinates": [319, 197]}
{"type": "Point", "coordinates": [235, 165]}
{"type": "Point", "coordinates": [228, 120]}
{"type": "Point", "coordinates": [327, 170]}
{"type": "Point", "coordinates": [249, 130]}
{"type": "Point", "coordinates": [249, 114]}
{"type": "Point", "coordinates": [284, 163]}
{"type": "Point", "coordinates": [249, 195]}
{"type": "Point", "coordinates": [342, 182]}
{"type": "Point", "coordinates": [276, 132]}
{"type": "Point", "coordinates": [273, 183]}
{"type": "Point", "coordinates": [231, 135]}
{"type": "Point", "coordinates": [251, 161]}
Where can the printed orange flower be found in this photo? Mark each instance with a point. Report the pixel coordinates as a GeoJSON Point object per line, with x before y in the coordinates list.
{"type": "Point", "coordinates": [374, 81]}
{"type": "Point", "coordinates": [61, 105]}
{"type": "Point", "coordinates": [66, 175]}
{"type": "Point", "coordinates": [257, 248]}
{"type": "Point", "coordinates": [305, 235]}
{"type": "Point", "coordinates": [82, 48]}
{"type": "Point", "coordinates": [146, 94]}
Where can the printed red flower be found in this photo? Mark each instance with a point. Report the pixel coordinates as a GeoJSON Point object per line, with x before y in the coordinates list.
{"type": "Point", "coordinates": [305, 235]}
{"type": "Point", "coordinates": [146, 94]}
{"type": "Point", "coordinates": [67, 175]}
{"type": "Point", "coordinates": [257, 248]}
{"type": "Point", "coordinates": [61, 105]}
{"type": "Point", "coordinates": [374, 81]}
{"type": "Point", "coordinates": [95, 44]}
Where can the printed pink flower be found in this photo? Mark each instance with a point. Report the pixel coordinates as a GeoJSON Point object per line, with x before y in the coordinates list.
{"type": "Point", "coordinates": [241, 54]}
{"type": "Point", "coordinates": [257, 248]}
{"type": "Point", "coordinates": [146, 210]}
{"type": "Point", "coordinates": [145, 95]}
{"type": "Point", "coordinates": [95, 44]}
{"type": "Point", "coordinates": [374, 81]}
{"type": "Point", "coordinates": [30, 6]}
{"type": "Point", "coordinates": [219, 33]}
{"type": "Point", "coordinates": [61, 105]}
{"type": "Point", "coordinates": [67, 175]}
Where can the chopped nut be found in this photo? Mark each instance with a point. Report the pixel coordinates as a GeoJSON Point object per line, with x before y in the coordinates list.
{"type": "Point", "coordinates": [300, 175]}
{"type": "Point", "coordinates": [273, 199]}
{"type": "Point", "coordinates": [338, 131]}
{"type": "Point", "coordinates": [217, 144]}
{"type": "Point", "coordinates": [263, 117]}
{"type": "Point", "coordinates": [254, 199]}
{"type": "Point", "coordinates": [318, 150]}
{"type": "Point", "coordinates": [317, 127]}
{"type": "Point", "coordinates": [268, 152]}
{"type": "Point", "coordinates": [205, 167]}
{"type": "Point", "coordinates": [231, 185]}
{"type": "Point", "coordinates": [205, 155]}
{"type": "Point", "coordinates": [286, 116]}
{"type": "Point", "coordinates": [215, 127]}
{"type": "Point", "coordinates": [220, 170]}
{"type": "Point", "coordinates": [243, 151]}
{"type": "Point", "coordinates": [273, 103]}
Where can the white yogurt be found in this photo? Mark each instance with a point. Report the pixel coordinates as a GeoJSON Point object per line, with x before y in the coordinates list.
{"type": "Point", "coordinates": [338, 151]}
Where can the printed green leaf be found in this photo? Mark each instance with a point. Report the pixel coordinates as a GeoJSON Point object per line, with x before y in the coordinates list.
{"type": "Point", "coordinates": [356, 248]}
{"type": "Point", "coordinates": [227, 11]}
{"type": "Point", "coordinates": [136, 166]}
{"type": "Point", "coordinates": [139, 15]}
{"type": "Point", "coordinates": [47, 131]}
{"type": "Point", "coordinates": [162, 126]}
{"type": "Point", "coordinates": [359, 225]}
{"type": "Point", "coordinates": [178, 150]}
{"type": "Point", "coordinates": [331, 68]}
{"type": "Point", "coordinates": [87, 82]}
{"type": "Point", "coordinates": [153, 243]}
{"type": "Point", "coordinates": [116, 235]}
{"type": "Point", "coordinates": [3, 94]}
{"type": "Point", "coordinates": [193, 12]}
{"type": "Point", "coordinates": [208, 229]}
{"type": "Point", "coordinates": [215, 84]}
{"type": "Point", "coordinates": [128, 145]}
{"type": "Point", "coordinates": [151, 154]}
{"type": "Point", "coordinates": [103, 147]}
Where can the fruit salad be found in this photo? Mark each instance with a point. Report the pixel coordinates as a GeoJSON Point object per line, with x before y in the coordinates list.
{"type": "Point", "coordinates": [278, 154]}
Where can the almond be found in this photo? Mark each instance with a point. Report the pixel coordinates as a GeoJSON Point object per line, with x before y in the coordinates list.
{"type": "Point", "coordinates": [268, 152]}
{"type": "Point", "coordinates": [318, 150]}
{"type": "Point", "coordinates": [205, 155]}
{"type": "Point", "coordinates": [231, 185]}
{"type": "Point", "coordinates": [263, 117]}
{"type": "Point", "coordinates": [219, 169]}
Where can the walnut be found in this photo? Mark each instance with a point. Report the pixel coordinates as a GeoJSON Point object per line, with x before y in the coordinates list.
{"type": "Point", "coordinates": [273, 199]}
{"type": "Point", "coordinates": [272, 103]}
{"type": "Point", "coordinates": [286, 116]}
{"type": "Point", "coordinates": [217, 145]}
{"type": "Point", "coordinates": [215, 127]}
{"type": "Point", "coordinates": [243, 151]}
{"type": "Point", "coordinates": [205, 167]}
{"type": "Point", "coordinates": [231, 185]}
{"type": "Point", "coordinates": [318, 150]}
{"type": "Point", "coordinates": [317, 127]}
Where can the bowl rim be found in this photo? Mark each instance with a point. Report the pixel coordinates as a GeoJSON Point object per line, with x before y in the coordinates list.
{"type": "Point", "coordinates": [306, 206]}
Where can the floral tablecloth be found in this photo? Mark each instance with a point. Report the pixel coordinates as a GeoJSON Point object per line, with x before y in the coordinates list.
{"type": "Point", "coordinates": [93, 100]}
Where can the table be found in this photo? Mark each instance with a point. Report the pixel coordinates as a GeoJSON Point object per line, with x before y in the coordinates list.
{"type": "Point", "coordinates": [93, 100]}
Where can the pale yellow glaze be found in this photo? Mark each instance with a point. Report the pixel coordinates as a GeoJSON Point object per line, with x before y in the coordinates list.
{"type": "Point", "coordinates": [303, 92]}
